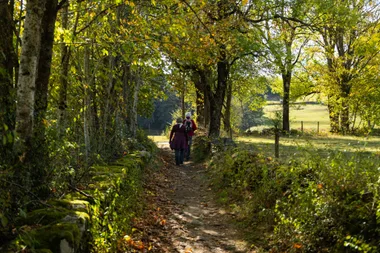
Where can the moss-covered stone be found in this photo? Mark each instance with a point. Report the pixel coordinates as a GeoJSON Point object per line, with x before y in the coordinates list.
{"type": "Point", "coordinates": [48, 238]}
{"type": "Point", "coordinates": [73, 204]}
{"type": "Point", "coordinates": [44, 216]}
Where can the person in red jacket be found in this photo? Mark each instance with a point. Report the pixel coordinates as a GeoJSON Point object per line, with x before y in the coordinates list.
{"type": "Point", "coordinates": [190, 128]}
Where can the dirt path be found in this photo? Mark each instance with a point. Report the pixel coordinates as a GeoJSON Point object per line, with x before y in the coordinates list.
{"type": "Point", "coordinates": [183, 214]}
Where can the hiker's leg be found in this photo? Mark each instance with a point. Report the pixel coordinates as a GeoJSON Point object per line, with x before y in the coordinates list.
{"type": "Point", "coordinates": [182, 152]}
{"type": "Point", "coordinates": [177, 156]}
{"type": "Point", "coordinates": [188, 151]}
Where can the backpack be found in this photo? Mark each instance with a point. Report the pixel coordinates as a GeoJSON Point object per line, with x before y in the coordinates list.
{"type": "Point", "coordinates": [188, 126]}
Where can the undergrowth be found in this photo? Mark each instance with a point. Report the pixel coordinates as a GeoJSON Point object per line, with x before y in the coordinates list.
{"type": "Point", "coordinates": [311, 203]}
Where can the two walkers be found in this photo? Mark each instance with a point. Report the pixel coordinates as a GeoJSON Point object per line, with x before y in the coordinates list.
{"type": "Point", "coordinates": [181, 138]}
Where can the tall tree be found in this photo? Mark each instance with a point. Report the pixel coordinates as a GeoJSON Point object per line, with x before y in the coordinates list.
{"type": "Point", "coordinates": [345, 28]}
{"type": "Point", "coordinates": [285, 39]}
{"type": "Point", "coordinates": [7, 64]}
{"type": "Point", "coordinates": [26, 86]}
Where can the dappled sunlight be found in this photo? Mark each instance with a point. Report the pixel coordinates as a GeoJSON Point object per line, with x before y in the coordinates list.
{"type": "Point", "coordinates": [158, 138]}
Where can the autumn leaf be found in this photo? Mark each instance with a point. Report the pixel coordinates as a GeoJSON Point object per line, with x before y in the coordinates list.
{"type": "Point", "coordinates": [297, 245]}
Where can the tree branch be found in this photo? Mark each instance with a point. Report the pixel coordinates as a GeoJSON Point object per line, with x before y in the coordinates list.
{"type": "Point", "coordinates": [94, 19]}
{"type": "Point", "coordinates": [196, 15]}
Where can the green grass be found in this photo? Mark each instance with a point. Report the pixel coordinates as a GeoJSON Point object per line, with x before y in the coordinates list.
{"type": "Point", "coordinates": [309, 114]}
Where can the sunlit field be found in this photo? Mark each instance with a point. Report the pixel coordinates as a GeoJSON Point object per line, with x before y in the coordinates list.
{"type": "Point", "coordinates": [321, 144]}
{"type": "Point", "coordinates": [309, 114]}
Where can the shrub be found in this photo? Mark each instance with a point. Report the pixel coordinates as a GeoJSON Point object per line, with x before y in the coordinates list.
{"type": "Point", "coordinates": [312, 203]}
{"type": "Point", "coordinates": [201, 148]}
{"type": "Point", "coordinates": [335, 209]}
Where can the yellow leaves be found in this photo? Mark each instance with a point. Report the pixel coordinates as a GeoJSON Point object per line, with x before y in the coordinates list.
{"type": "Point", "coordinates": [244, 2]}
{"type": "Point", "coordinates": [165, 39]}
{"type": "Point", "coordinates": [45, 122]}
{"type": "Point", "coordinates": [156, 45]}
{"type": "Point", "coordinates": [138, 245]}
{"type": "Point", "coordinates": [130, 3]}
{"type": "Point", "coordinates": [105, 51]}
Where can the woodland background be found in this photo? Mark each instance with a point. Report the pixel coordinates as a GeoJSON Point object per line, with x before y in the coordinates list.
{"type": "Point", "coordinates": [76, 77]}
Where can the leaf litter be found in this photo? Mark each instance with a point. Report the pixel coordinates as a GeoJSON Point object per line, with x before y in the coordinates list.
{"type": "Point", "coordinates": [180, 214]}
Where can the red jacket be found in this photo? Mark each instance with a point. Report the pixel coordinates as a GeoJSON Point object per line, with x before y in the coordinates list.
{"type": "Point", "coordinates": [192, 125]}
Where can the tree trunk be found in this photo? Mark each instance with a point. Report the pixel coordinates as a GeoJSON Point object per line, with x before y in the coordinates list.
{"type": "Point", "coordinates": [44, 67]}
{"type": "Point", "coordinates": [126, 91]}
{"type": "Point", "coordinates": [7, 60]}
{"type": "Point", "coordinates": [65, 60]}
{"type": "Point", "coordinates": [333, 115]}
{"type": "Point", "coordinates": [345, 112]}
{"type": "Point", "coordinates": [286, 79]}
{"type": "Point", "coordinates": [207, 107]}
{"type": "Point", "coordinates": [227, 112]}
{"type": "Point", "coordinates": [132, 127]}
{"type": "Point", "coordinates": [40, 159]}
{"type": "Point", "coordinates": [27, 74]}
{"type": "Point", "coordinates": [18, 40]}
{"type": "Point", "coordinates": [205, 84]}
{"type": "Point", "coordinates": [86, 104]}
{"type": "Point", "coordinates": [200, 98]}
{"type": "Point", "coordinates": [200, 107]}
{"type": "Point", "coordinates": [217, 97]}
{"type": "Point", "coordinates": [345, 116]}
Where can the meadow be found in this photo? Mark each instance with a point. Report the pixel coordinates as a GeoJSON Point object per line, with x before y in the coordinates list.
{"type": "Point", "coordinates": [309, 114]}
{"type": "Point", "coordinates": [323, 142]}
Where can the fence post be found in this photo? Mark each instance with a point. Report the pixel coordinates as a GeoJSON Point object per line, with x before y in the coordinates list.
{"type": "Point", "coordinates": [318, 127]}
{"type": "Point", "coordinates": [277, 143]}
{"type": "Point", "coordinates": [302, 126]}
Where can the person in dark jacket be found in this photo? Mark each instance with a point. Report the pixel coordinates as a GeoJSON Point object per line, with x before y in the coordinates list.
{"type": "Point", "coordinates": [178, 141]}
{"type": "Point", "coordinates": [190, 128]}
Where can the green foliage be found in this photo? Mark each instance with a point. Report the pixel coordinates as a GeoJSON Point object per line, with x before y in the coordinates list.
{"type": "Point", "coordinates": [311, 203]}
{"type": "Point", "coordinates": [114, 207]}
{"type": "Point", "coordinates": [336, 199]}
{"type": "Point", "coordinates": [201, 148]}
{"type": "Point", "coordinates": [251, 179]}
{"type": "Point", "coordinates": [117, 196]}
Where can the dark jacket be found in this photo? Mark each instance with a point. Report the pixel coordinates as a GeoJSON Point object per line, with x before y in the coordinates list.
{"type": "Point", "coordinates": [178, 137]}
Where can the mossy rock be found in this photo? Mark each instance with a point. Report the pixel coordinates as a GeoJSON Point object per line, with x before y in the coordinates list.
{"type": "Point", "coordinates": [75, 204]}
{"type": "Point", "coordinates": [50, 216]}
{"type": "Point", "coordinates": [48, 238]}
{"type": "Point", "coordinates": [44, 216]}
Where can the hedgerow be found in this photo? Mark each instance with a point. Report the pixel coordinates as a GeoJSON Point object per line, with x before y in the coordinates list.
{"type": "Point", "coordinates": [310, 203]}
